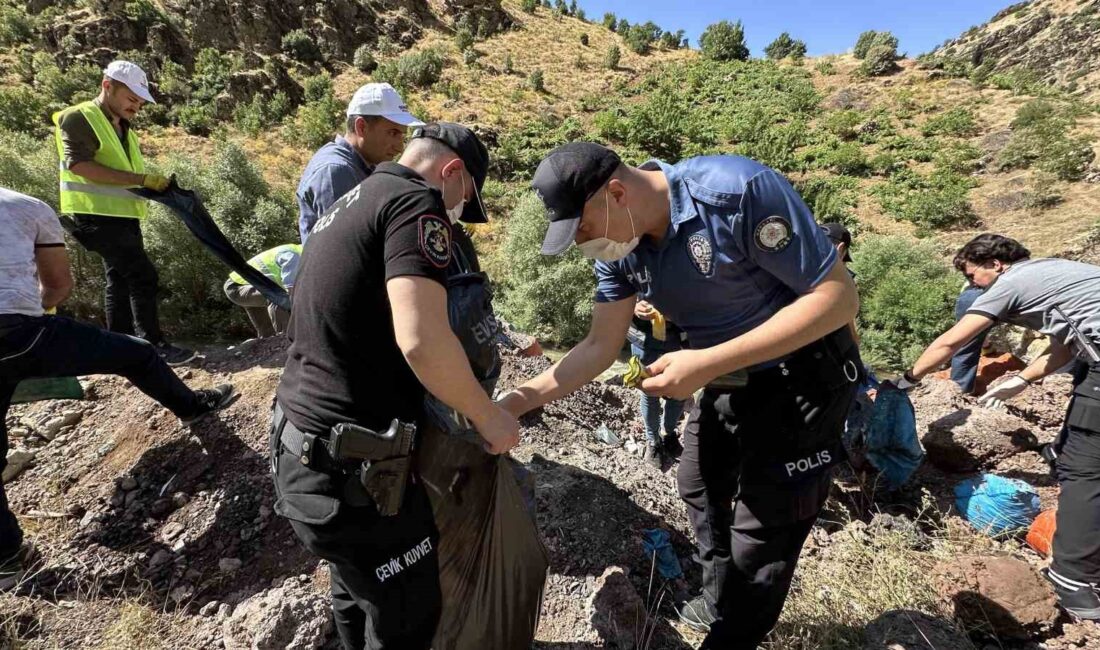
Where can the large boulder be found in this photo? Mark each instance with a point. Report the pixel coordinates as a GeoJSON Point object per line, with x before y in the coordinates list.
{"type": "Point", "coordinates": [910, 630]}
{"type": "Point", "coordinates": [294, 616]}
{"type": "Point", "coordinates": [997, 595]}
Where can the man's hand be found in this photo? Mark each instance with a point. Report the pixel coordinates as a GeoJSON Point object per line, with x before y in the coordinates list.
{"type": "Point", "coordinates": [677, 375]}
{"type": "Point", "coordinates": [155, 182]}
{"type": "Point", "coordinates": [995, 397]}
{"type": "Point", "coordinates": [644, 310]}
{"type": "Point", "coordinates": [906, 381]}
{"type": "Point", "coordinates": [499, 428]}
{"type": "Point", "coordinates": [513, 402]}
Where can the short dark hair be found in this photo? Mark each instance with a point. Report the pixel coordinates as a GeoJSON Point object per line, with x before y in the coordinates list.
{"type": "Point", "coordinates": [988, 247]}
{"type": "Point", "coordinates": [369, 118]}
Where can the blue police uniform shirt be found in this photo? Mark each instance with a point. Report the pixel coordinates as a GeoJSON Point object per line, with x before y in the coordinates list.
{"type": "Point", "coordinates": [331, 173]}
{"type": "Point", "coordinates": [741, 245]}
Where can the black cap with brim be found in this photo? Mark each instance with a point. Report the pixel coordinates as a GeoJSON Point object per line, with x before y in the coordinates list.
{"type": "Point", "coordinates": [474, 155]}
{"type": "Point", "coordinates": [840, 235]}
{"type": "Point", "coordinates": [565, 180]}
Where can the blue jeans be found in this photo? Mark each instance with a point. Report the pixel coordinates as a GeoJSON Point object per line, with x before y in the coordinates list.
{"type": "Point", "coordinates": [964, 365]}
{"type": "Point", "coordinates": [651, 406]}
{"type": "Point", "coordinates": [54, 346]}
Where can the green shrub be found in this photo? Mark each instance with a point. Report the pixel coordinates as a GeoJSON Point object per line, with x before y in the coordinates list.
{"type": "Point", "coordinates": [212, 72]}
{"type": "Point", "coordinates": [315, 123]}
{"type": "Point", "coordinates": [612, 58]}
{"type": "Point", "coordinates": [845, 158]}
{"type": "Point", "coordinates": [301, 47]}
{"type": "Point", "coordinates": [843, 124]}
{"type": "Point", "coordinates": [519, 151]}
{"type": "Point", "coordinates": [1042, 137]}
{"type": "Point", "coordinates": [317, 87]}
{"type": "Point", "coordinates": [549, 297]}
{"type": "Point", "coordinates": [464, 38]}
{"type": "Point", "coordinates": [870, 39]}
{"type": "Point", "coordinates": [724, 41]}
{"type": "Point", "coordinates": [144, 13]}
{"type": "Point", "coordinates": [638, 38]}
{"type": "Point", "coordinates": [622, 27]}
{"type": "Point", "coordinates": [907, 297]}
{"type": "Point", "coordinates": [935, 201]}
{"type": "Point", "coordinates": [78, 82]}
{"type": "Point", "coordinates": [958, 122]}
{"type": "Point", "coordinates": [196, 119]}
{"type": "Point", "coordinates": [831, 199]}
{"type": "Point", "coordinates": [363, 59]}
{"type": "Point", "coordinates": [880, 60]}
{"type": "Point", "coordinates": [826, 68]}
{"type": "Point", "coordinates": [530, 5]}
{"type": "Point", "coordinates": [609, 21]}
{"type": "Point", "coordinates": [536, 80]}
{"type": "Point", "coordinates": [784, 46]}
{"type": "Point", "coordinates": [417, 70]}
{"type": "Point", "coordinates": [15, 25]}
{"type": "Point", "coordinates": [23, 109]}
{"type": "Point", "coordinates": [661, 127]}
{"type": "Point", "coordinates": [508, 67]}
{"type": "Point", "coordinates": [957, 157]}
{"type": "Point", "coordinates": [261, 114]}
{"type": "Point", "coordinates": [470, 57]}
{"type": "Point", "coordinates": [580, 15]}
{"type": "Point", "coordinates": [584, 39]}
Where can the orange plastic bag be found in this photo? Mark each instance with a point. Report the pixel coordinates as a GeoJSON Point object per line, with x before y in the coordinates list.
{"type": "Point", "coordinates": [1041, 534]}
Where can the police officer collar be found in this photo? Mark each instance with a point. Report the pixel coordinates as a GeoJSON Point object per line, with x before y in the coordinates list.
{"type": "Point", "coordinates": [397, 169]}
{"type": "Point", "coordinates": [681, 208]}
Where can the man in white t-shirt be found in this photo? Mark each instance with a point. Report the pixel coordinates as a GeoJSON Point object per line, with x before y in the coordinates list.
{"type": "Point", "coordinates": [34, 278]}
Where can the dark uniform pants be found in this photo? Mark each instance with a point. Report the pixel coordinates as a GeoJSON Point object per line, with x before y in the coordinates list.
{"type": "Point", "coordinates": [266, 318]}
{"type": "Point", "coordinates": [1077, 537]}
{"type": "Point", "coordinates": [130, 299]}
{"type": "Point", "coordinates": [754, 474]}
{"type": "Point", "coordinates": [384, 570]}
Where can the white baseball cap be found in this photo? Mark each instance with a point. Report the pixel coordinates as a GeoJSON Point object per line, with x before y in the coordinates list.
{"type": "Point", "coordinates": [382, 100]}
{"type": "Point", "coordinates": [131, 75]}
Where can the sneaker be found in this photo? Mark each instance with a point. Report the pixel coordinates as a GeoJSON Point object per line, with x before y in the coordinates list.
{"type": "Point", "coordinates": [210, 400]}
{"type": "Point", "coordinates": [698, 614]}
{"type": "Point", "coordinates": [652, 455]}
{"type": "Point", "coordinates": [1079, 599]}
{"type": "Point", "coordinates": [172, 355]}
{"type": "Point", "coordinates": [671, 445]}
{"type": "Point", "coordinates": [15, 566]}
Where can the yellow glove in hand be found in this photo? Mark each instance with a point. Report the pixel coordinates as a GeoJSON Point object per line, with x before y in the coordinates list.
{"type": "Point", "coordinates": [635, 373]}
{"type": "Point", "coordinates": [659, 331]}
{"type": "Point", "coordinates": [155, 182]}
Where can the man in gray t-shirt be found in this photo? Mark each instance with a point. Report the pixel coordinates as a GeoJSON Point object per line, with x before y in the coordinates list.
{"type": "Point", "coordinates": [1055, 297]}
{"type": "Point", "coordinates": [35, 278]}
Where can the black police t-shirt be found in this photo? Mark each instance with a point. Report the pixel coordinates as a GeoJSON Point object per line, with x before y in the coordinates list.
{"type": "Point", "coordinates": [344, 364]}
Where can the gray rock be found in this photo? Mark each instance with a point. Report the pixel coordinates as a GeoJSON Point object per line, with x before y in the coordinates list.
{"type": "Point", "coordinates": [209, 609]}
{"type": "Point", "coordinates": [128, 483]}
{"type": "Point", "coordinates": [229, 564]}
{"type": "Point", "coordinates": [18, 462]}
{"type": "Point", "coordinates": [163, 556]}
{"type": "Point", "coordinates": [294, 616]}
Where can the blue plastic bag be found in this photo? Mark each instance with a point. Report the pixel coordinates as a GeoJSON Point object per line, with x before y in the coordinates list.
{"type": "Point", "coordinates": [656, 541]}
{"type": "Point", "coordinates": [996, 505]}
{"type": "Point", "coordinates": [891, 437]}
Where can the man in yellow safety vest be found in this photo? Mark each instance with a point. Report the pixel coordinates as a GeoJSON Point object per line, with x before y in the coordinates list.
{"type": "Point", "coordinates": [100, 161]}
{"type": "Point", "coordinates": [281, 265]}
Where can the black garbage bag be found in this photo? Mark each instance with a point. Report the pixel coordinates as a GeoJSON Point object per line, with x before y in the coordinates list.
{"type": "Point", "coordinates": [186, 205]}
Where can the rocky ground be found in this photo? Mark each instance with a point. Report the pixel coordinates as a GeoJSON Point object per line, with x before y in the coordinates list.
{"type": "Point", "coordinates": [153, 536]}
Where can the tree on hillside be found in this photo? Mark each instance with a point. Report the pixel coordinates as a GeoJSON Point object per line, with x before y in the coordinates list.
{"type": "Point", "coordinates": [672, 40]}
{"type": "Point", "coordinates": [724, 41]}
{"type": "Point", "coordinates": [623, 27]}
{"type": "Point", "coordinates": [609, 21]}
{"type": "Point", "coordinates": [573, 8]}
{"type": "Point", "coordinates": [611, 60]}
{"type": "Point", "coordinates": [561, 6]}
{"type": "Point", "coordinates": [530, 5]}
{"type": "Point", "coordinates": [870, 39]}
{"type": "Point", "coordinates": [784, 46]}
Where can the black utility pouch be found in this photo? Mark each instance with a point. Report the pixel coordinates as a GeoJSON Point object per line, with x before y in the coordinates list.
{"type": "Point", "coordinates": [385, 460]}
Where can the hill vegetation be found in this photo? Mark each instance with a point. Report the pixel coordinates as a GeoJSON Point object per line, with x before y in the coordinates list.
{"type": "Point", "coordinates": [882, 143]}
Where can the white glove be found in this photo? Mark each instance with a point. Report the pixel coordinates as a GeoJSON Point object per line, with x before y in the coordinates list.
{"type": "Point", "coordinates": [995, 398]}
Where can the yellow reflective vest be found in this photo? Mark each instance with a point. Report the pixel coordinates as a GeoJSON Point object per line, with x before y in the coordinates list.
{"type": "Point", "coordinates": [267, 263]}
{"type": "Point", "coordinates": [83, 196]}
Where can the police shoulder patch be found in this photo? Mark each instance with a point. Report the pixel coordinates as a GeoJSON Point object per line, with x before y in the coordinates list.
{"type": "Point", "coordinates": [773, 234]}
{"type": "Point", "coordinates": [701, 252]}
{"type": "Point", "coordinates": [435, 240]}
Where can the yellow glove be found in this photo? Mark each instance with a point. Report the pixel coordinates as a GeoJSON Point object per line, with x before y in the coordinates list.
{"type": "Point", "coordinates": [659, 331]}
{"type": "Point", "coordinates": [155, 182]}
{"type": "Point", "coordinates": [635, 373]}
{"type": "Point", "coordinates": [51, 311]}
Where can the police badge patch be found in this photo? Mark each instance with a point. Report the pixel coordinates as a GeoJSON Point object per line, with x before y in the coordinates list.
{"type": "Point", "coordinates": [435, 240]}
{"type": "Point", "coordinates": [773, 234]}
{"type": "Point", "coordinates": [701, 252]}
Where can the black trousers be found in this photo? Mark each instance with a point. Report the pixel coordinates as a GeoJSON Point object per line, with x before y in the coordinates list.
{"type": "Point", "coordinates": [54, 346]}
{"type": "Point", "coordinates": [754, 474]}
{"type": "Point", "coordinates": [130, 301]}
{"type": "Point", "coordinates": [384, 570]}
{"type": "Point", "coordinates": [1076, 552]}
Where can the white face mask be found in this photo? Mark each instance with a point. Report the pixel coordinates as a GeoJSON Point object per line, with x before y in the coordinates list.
{"type": "Point", "coordinates": [609, 250]}
{"type": "Point", "coordinates": [455, 213]}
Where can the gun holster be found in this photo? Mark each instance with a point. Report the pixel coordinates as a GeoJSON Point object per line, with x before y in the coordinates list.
{"type": "Point", "coordinates": [385, 460]}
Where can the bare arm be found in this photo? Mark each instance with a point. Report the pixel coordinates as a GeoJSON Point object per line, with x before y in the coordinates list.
{"type": "Point", "coordinates": [98, 173]}
{"type": "Point", "coordinates": [1056, 357]}
{"type": "Point", "coordinates": [423, 333]}
{"type": "Point", "coordinates": [582, 364]}
{"type": "Point", "coordinates": [943, 348]}
{"type": "Point", "coordinates": [54, 276]}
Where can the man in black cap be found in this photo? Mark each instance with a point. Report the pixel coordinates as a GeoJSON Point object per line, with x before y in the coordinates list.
{"type": "Point", "coordinates": [725, 248]}
{"type": "Point", "coordinates": [369, 334]}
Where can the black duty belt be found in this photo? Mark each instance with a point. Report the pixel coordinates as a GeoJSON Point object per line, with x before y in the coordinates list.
{"type": "Point", "coordinates": [311, 450]}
